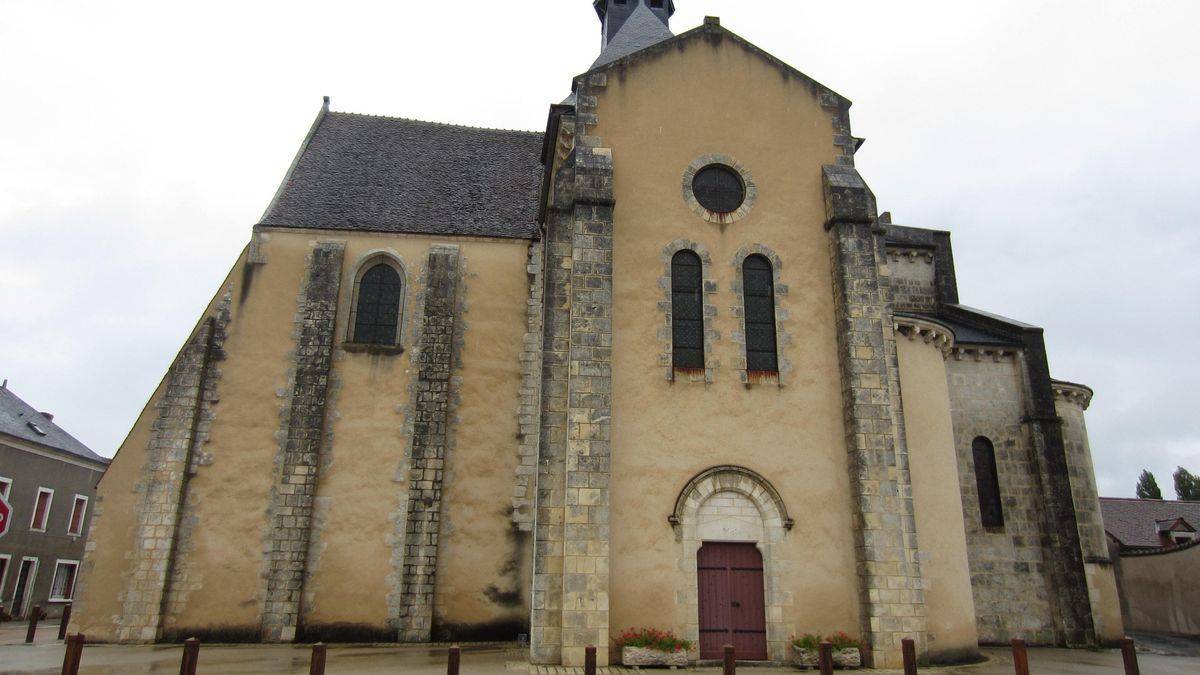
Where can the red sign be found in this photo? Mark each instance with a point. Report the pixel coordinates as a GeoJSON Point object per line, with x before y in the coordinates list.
{"type": "Point", "coordinates": [5, 515]}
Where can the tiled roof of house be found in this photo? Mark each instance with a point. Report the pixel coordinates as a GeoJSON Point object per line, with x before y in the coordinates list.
{"type": "Point", "coordinates": [1134, 522]}
{"type": "Point", "coordinates": [23, 421]}
{"type": "Point", "coordinates": [385, 174]}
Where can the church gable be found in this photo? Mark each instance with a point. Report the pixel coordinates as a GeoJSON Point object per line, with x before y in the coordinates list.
{"type": "Point", "coordinates": [625, 53]}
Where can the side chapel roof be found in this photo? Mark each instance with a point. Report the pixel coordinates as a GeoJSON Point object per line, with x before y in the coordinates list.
{"type": "Point", "coordinates": [387, 174]}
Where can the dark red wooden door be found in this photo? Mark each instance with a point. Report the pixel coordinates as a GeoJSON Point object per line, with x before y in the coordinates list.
{"type": "Point", "coordinates": [732, 609]}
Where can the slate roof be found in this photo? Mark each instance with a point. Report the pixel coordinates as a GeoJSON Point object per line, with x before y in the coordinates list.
{"type": "Point", "coordinates": [1134, 522]}
{"type": "Point", "coordinates": [964, 334]}
{"type": "Point", "coordinates": [386, 174]}
{"type": "Point", "coordinates": [642, 29]}
{"type": "Point", "coordinates": [18, 418]}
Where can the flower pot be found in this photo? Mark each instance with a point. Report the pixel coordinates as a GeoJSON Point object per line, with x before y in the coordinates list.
{"type": "Point", "coordinates": [641, 656]}
{"type": "Point", "coordinates": [805, 658]}
{"type": "Point", "coordinates": [851, 657]}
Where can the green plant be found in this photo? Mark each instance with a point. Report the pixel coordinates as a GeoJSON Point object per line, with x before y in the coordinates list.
{"type": "Point", "coordinates": [839, 640]}
{"type": "Point", "coordinates": [652, 638]}
{"type": "Point", "coordinates": [842, 641]}
{"type": "Point", "coordinates": [807, 641]}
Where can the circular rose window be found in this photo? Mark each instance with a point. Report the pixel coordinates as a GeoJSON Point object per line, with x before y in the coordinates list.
{"type": "Point", "coordinates": [719, 188]}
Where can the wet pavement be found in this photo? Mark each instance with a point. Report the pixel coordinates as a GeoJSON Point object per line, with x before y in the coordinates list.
{"type": "Point", "coordinates": [1159, 655]}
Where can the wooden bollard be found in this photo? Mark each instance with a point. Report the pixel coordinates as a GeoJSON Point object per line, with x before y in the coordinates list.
{"type": "Point", "coordinates": [1129, 656]}
{"type": "Point", "coordinates": [730, 662]}
{"type": "Point", "coordinates": [317, 665]}
{"type": "Point", "coordinates": [1020, 657]}
{"type": "Point", "coordinates": [589, 660]}
{"type": "Point", "coordinates": [825, 650]}
{"type": "Point", "coordinates": [191, 657]}
{"type": "Point", "coordinates": [73, 655]}
{"type": "Point", "coordinates": [453, 661]}
{"type": "Point", "coordinates": [34, 616]}
{"type": "Point", "coordinates": [909, 649]}
{"type": "Point", "coordinates": [66, 619]}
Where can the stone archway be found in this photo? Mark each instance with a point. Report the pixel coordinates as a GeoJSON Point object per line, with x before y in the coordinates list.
{"type": "Point", "coordinates": [733, 504]}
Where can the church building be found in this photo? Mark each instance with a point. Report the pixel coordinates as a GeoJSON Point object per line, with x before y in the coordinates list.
{"type": "Point", "coordinates": [663, 364]}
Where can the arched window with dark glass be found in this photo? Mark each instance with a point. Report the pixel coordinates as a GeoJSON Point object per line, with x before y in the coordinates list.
{"type": "Point", "coordinates": [377, 307]}
{"type": "Point", "coordinates": [687, 311]}
{"type": "Point", "coordinates": [987, 482]}
{"type": "Point", "coordinates": [758, 293]}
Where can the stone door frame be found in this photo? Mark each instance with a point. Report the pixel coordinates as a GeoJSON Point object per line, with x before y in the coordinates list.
{"type": "Point", "coordinates": [775, 525]}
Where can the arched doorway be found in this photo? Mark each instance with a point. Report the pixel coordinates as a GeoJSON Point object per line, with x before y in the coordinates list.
{"type": "Point", "coordinates": [734, 518]}
{"type": "Point", "coordinates": [729, 577]}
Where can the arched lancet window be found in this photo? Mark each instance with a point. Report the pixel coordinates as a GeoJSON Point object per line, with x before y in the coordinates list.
{"type": "Point", "coordinates": [380, 293]}
{"type": "Point", "coordinates": [987, 482]}
{"type": "Point", "coordinates": [687, 311]}
{"type": "Point", "coordinates": [758, 294]}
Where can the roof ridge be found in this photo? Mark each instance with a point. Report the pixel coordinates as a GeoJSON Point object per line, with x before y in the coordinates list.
{"type": "Point", "coordinates": [1153, 501]}
{"type": "Point", "coordinates": [431, 122]}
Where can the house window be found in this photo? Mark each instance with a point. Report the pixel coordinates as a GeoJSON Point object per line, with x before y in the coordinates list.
{"type": "Point", "coordinates": [41, 509]}
{"type": "Point", "coordinates": [63, 587]}
{"type": "Point", "coordinates": [5, 486]}
{"type": "Point", "coordinates": [23, 586]}
{"type": "Point", "coordinates": [78, 511]}
{"type": "Point", "coordinates": [987, 482]}
{"type": "Point", "coordinates": [379, 294]}
{"type": "Point", "coordinates": [687, 311]}
{"type": "Point", "coordinates": [5, 559]}
{"type": "Point", "coordinates": [758, 290]}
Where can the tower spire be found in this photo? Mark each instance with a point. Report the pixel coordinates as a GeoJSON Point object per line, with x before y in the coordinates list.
{"type": "Point", "coordinates": [614, 13]}
{"type": "Point", "coordinates": [627, 26]}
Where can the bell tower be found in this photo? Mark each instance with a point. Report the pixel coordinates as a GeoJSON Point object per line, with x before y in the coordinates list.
{"type": "Point", "coordinates": [613, 14]}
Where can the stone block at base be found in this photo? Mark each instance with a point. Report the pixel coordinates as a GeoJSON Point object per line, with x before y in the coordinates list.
{"type": "Point", "coordinates": [850, 657]}
{"type": "Point", "coordinates": [640, 656]}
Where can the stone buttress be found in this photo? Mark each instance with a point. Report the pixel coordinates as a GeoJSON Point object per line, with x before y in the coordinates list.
{"type": "Point", "coordinates": [571, 567]}
{"type": "Point", "coordinates": [890, 585]}
{"type": "Point", "coordinates": [301, 436]}
{"type": "Point", "coordinates": [432, 403]}
{"type": "Point", "coordinates": [184, 415]}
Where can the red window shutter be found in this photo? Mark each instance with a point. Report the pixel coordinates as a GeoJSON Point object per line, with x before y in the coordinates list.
{"type": "Point", "coordinates": [39, 511]}
{"type": "Point", "coordinates": [77, 517]}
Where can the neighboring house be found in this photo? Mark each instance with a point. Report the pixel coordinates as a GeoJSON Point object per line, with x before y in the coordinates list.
{"type": "Point", "coordinates": [1157, 556]}
{"type": "Point", "coordinates": [49, 480]}
{"type": "Point", "coordinates": [665, 359]}
{"type": "Point", "coordinates": [1144, 524]}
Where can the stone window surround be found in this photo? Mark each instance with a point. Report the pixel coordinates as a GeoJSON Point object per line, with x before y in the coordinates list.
{"type": "Point", "coordinates": [689, 197]}
{"type": "Point", "coordinates": [783, 339]}
{"type": "Point", "coordinates": [775, 524]}
{"type": "Point", "coordinates": [33, 524]}
{"type": "Point", "coordinates": [354, 276]}
{"type": "Point", "coordinates": [710, 287]}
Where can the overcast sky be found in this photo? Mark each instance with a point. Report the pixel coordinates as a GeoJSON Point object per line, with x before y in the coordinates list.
{"type": "Point", "coordinates": [140, 141]}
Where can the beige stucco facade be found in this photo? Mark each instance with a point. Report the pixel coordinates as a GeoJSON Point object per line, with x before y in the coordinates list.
{"type": "Point", "coordinates": [216, 585]}
{"type": "Point", "coordinates": [929, 427]}
{"type": "Point", "coordinates": [528, 461]}
{"type": "Point", "coordinates": [667, 431]}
